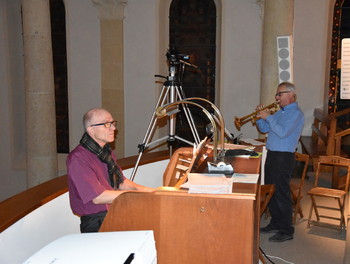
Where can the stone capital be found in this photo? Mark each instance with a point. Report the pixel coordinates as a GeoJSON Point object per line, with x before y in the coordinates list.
{"type": "Point", "coordinates": [110, 9]}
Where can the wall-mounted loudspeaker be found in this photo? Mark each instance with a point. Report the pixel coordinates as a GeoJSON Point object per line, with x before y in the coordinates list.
{"type": "Point", "coordinates": [285, 59]}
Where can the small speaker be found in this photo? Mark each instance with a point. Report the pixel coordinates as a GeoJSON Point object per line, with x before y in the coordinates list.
{"type": "Point", "coordinates": [285, 57]}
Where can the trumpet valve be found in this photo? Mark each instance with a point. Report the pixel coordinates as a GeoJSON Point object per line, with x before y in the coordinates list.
{"type": "Point", "coordinates": [254, 119]}
{"type": "Point", "coordinates": [238, 123]}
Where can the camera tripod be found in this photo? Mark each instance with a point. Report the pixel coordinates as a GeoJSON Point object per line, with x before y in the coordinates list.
{"type": "Point", "coordinates": [170, 93]}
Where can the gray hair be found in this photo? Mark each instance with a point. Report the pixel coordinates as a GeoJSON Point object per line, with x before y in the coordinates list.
{"type": "Point", "coordinates": [289, 86]}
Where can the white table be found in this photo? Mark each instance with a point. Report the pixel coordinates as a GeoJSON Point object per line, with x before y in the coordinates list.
{"type": "Point", "coordinates": [104, 247]}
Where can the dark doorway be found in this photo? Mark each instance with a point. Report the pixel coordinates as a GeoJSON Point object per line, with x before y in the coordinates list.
{"type": "Point", "coordinates": [193, 32]}
{"type": "Point", "coordinates": [58, 35]}
{"type": "Point", "coordinates": [340, 30]}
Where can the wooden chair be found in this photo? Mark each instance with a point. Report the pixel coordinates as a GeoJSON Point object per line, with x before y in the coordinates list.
{"type": "Point", "coordinates": [183, 161]}
{"type": "Point", "coordinates": [266, 192]}
{"type": "Point", "coordinates": [296, 187]}
{"type": "Point", "coordinates": [178, 165]}
{"type": "Point", "coordinates": [338, 194]}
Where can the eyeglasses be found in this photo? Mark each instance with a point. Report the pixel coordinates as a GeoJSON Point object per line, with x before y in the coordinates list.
{"type": "Point", "coordinates": [106, 124]}
{"type": "Point", "coordinates": [280, 93]}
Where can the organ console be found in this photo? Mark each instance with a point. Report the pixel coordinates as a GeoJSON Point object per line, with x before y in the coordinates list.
{"type": "Point", "coordinates": [194, 228]}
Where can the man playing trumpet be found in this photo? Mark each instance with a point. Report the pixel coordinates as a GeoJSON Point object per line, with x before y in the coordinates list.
{"type": "Point", "coordinates": [283, 131]}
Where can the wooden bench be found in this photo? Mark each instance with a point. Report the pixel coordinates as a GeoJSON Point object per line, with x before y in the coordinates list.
{"type": "Point", "coordinates": [340, 134]}
{"type": "Point", "coordinates": [326, 136]}
{"type": "Point", "coordinates": [321, 142]}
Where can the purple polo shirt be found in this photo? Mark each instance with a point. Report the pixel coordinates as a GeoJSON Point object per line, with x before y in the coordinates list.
{"type": "Point", "coordinates": [87, 179]}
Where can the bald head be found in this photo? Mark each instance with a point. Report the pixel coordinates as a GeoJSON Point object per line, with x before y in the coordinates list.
{"type": "Point", "coordinates": [92, 115]}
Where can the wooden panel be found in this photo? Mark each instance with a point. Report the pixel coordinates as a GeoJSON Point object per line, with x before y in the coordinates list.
{"type": "Point", "coordinates": [191, 228]}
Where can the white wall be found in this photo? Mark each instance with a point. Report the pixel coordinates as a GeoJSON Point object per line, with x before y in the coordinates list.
{"type": "Point", "coordinates": [241, 60]}
{"type": "Point", "coordinates": [310, 55]}
{"type": "Point", "coordinates": [140, 61]}
{"type": "Point", "coordinates": [84, 63]}
{"type": "Point", "coordinates": [40, 227]}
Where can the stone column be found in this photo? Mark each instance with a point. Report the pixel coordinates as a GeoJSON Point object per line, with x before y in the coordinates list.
{"type": "Point", "coordinates": [278, 21]}
{"type": "Point", "coordinates": [111, 15]}
{"type": "Point", "coordinates": [39, 89]}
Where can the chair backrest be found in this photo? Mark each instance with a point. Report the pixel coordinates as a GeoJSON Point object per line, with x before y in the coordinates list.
{"type": "Point", "coordinates": [337, 162]}
{"type": "Point", "coordinates": [305, 159]}
{"type": "Point", "coordinates": [178, 165]}
{"type": "Point", "coordinates": [266, 192]}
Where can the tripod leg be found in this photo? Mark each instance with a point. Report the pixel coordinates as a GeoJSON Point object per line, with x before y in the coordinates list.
{"type": "Point", "coordinates": [188, 115]}
{"type": "Point", "coordinates": [172, 119]}
{"type": "Point", "coordinates": [150, 130]}
{"type": "Point", "coordinates": [177, 93]}
{"type": "Point", "coordinates": [153, 121]}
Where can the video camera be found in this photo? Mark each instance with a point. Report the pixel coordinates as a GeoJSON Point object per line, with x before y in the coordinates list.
{"type": "Point", "coordinates": [175, 58]}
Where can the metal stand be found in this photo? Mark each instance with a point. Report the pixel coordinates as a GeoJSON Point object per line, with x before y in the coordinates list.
{"type": "Point", "coordinates": [172, 91]}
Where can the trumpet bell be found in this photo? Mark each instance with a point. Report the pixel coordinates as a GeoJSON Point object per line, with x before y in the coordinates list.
{"type": "Point", "coordinates": [252, 117]}
{"type": "Point", "coordinates": [242, 121]}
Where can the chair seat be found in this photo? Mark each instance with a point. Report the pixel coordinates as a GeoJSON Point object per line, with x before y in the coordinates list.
{"type": "Point", "coordinates": [336, 163]}
{"type": "Point", "coordinates": [326, 192]}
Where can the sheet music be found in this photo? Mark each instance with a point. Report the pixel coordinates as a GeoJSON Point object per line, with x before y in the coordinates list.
{"type": "Point", "coordinates": [245, 178]}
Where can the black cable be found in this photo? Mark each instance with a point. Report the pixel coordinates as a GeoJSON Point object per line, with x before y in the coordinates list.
{"type": "Point", "coordinates": [266, 256]}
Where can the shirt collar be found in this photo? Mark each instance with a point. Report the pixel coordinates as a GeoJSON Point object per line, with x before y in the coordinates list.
{"type": "Point", "coordinates": [292, 105]}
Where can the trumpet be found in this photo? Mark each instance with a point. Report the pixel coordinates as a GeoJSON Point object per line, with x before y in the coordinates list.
{"type": "Point", "coordinates": [252, 117]}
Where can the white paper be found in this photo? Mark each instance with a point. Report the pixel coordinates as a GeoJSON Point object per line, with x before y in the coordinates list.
{"type": "Point", "coordinates": [208, 183]}
{"type": "Point", "coordinates": [345, 69]}
{"type": "Point", "coordinates": [245, 178]}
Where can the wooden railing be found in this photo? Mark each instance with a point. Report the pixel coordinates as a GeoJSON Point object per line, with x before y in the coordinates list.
{"type": "Point", "coordinates": [341, 133]}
